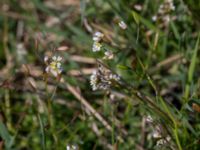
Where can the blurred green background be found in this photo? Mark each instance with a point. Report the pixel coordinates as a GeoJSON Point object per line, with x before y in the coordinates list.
{"type": "Point", "coordinates": [45, 114]}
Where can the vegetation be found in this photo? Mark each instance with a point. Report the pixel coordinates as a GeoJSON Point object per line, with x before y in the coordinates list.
{"type": "Point", "coordinates": [99, 74]}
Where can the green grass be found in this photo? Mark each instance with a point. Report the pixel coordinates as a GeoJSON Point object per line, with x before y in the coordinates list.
{"type": "Point", "coordinates": [159, 69]}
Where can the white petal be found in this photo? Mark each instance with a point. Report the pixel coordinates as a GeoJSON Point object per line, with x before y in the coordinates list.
{"type": "Point", "coordinates": [54, 73]}
{"type": "Point", "coordinates": [96, 39]}
{"type": "Point", "coordinates": [59, 58]}
{"type": "Point", "coordinates": [54, 58]}
{"type": "Point", "coordinates": [58, 65]}
{"type": "Point", "coordinates": [46, 58]}
{"type": "Point", "coordinates": [98, 34]}
{"type": "Point", "coordinates": [47, 69]}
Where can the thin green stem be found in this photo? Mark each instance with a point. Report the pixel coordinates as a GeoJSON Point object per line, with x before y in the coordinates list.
{"type": "Point", "coordinates": [177, 138]}
{"type": "Point", "coordinates": [113, 126]}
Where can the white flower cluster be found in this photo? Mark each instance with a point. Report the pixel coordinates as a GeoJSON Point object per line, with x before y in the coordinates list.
{"type": "Point", "coordinates": [164, 12]}
{"type": "Point", "coordinates": [97, 37]}
{"type": "Point", "coordinates": [102, 78]}
{"type": "Point", "coordinates": [54, 67]}
{"type": "Point", "coordinates": [157, 129]}
{"type": "Point", "coordinates": [157, 133]}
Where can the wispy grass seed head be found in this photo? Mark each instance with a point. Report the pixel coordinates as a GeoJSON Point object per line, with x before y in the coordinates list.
{"type": "Point", "coordinates": [163, 14]}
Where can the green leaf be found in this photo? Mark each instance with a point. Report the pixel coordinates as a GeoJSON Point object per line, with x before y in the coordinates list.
{"type": "Point", "coordinates": [175, 30]}
{"type": "Point", "coordinates": [6, 136]}
{"type": "Point", "coordinates": [191, 71]}
{"type": "Point", "coordinates": [122, 67]}
{"type": "Point", "coordinates": [82, 8]}
{"type": "Point", "coordinates": [42, 132]}
{"type": "Point", "coordinates": [136, 17]}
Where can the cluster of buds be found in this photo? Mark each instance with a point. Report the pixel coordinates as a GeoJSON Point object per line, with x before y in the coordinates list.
{"type": "Point", "coordinates": [157, 133]}
{"type": "Point", "coordinates": [97, 39]}
{"type": "Point", "coordinates": [53, 65]}
{"type": "Point", "coordinates": [163, 14]}
{"type": "Point", "coordinates": [157, 129]}
{"type": "Point", "coordinates": [163, 141]}
{"type": "Point", "coordinates": [102, 78]}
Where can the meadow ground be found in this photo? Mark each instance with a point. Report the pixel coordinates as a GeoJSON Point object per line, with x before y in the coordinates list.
{"type": "Point", "coordinates": [99, 74]}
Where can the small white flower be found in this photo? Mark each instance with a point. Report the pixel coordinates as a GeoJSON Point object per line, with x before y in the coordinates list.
{"type": "Point", "coordinates": [96, 47]}
{"type": "Point", "coordinates": [108, 55]}
{"type": "Point", "coordinates": [54, 67]}
{"type": "Point", "coordinates": [112, 96]}
{"type": "Point", "coordinates": [97, 36]}
{"type": "Point", "coordinates": [138, 7]}
{"type": "Point", "coordinates": [154, 18]}
{"type": "Point", "coordinates": [122, 25]}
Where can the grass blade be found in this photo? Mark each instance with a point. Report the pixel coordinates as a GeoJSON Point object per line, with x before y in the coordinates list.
{"type": "Point", "coordinates": [191, 71]}
{"type": "Point", "coordinates": [6, 136]}
{"type": "Point", "coordinates": [42, 133]}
